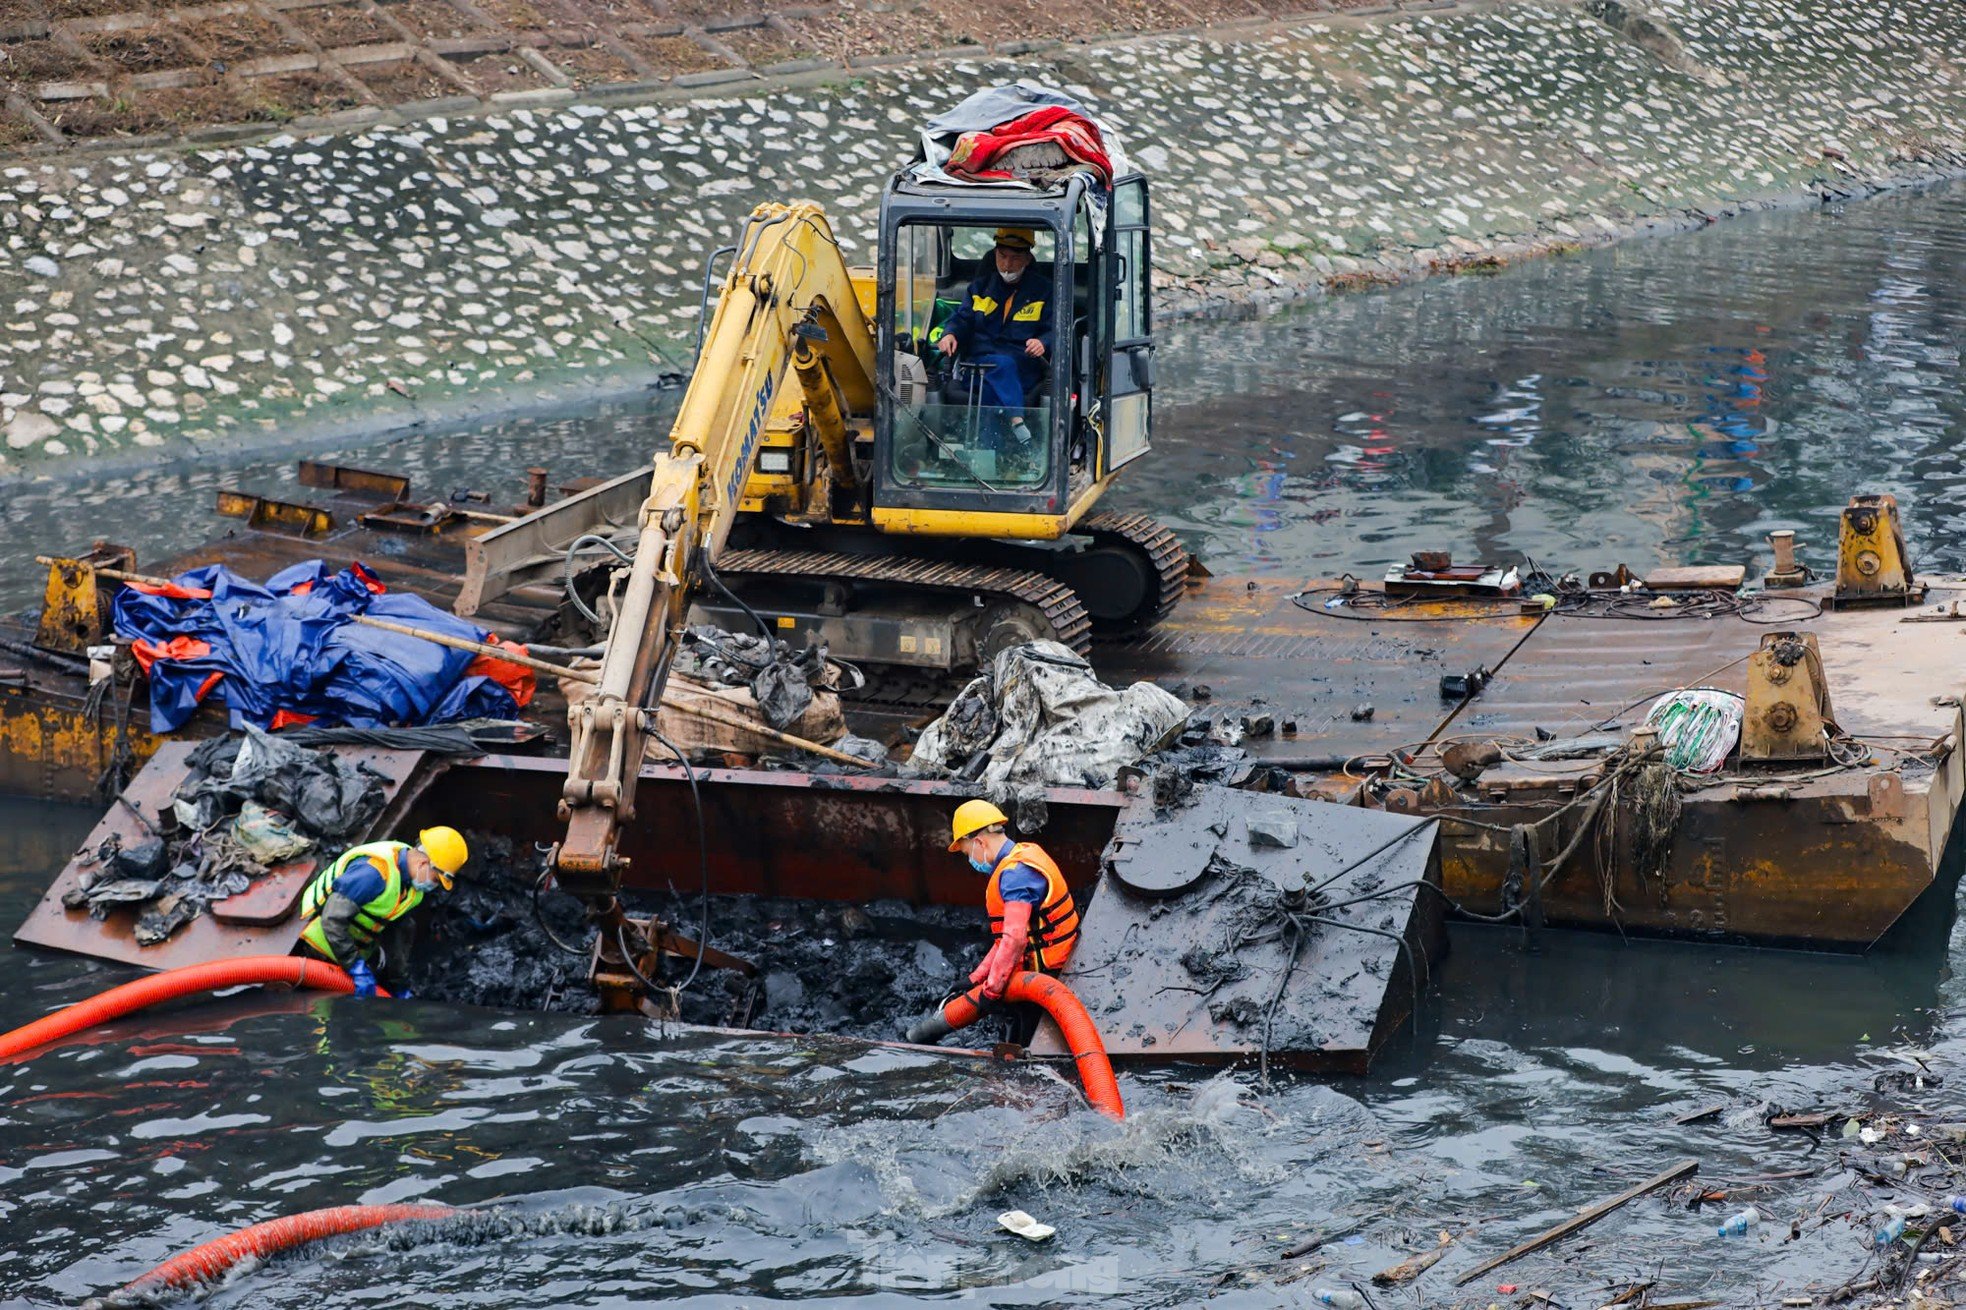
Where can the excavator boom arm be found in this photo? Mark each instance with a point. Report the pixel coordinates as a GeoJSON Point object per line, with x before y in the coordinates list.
{"type": "Point", "coordinates": [789, 295]}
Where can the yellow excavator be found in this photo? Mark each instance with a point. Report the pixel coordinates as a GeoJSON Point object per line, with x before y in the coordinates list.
{"type": "Point", "coordinates": [832, 472]}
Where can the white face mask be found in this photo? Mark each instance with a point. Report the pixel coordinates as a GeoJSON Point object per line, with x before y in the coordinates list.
{"type": "Point", "coordinates": [1011, 279]}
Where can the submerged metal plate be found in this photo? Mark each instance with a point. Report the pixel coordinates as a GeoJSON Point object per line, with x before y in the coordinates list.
{"type": "Point", "coordinates": [1203, 974]}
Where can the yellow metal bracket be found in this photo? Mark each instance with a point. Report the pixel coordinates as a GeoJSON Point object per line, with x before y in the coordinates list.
{"type": "Point", "coordinates": [1872, 564]}
{"type": "Point", "coordinates": [1788, 714]}
{"type": "Point", "coordinates": [75, 607]}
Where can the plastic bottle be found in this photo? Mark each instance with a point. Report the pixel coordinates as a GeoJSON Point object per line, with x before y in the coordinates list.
{"type": "Point", "coordinates": [1891, 1232]}
{"type": "Point", "coordinates": [1956, 1204]}
{"type": "Point", "coordinates": [1343, 1298]}
{"type": "Point", "coordinates": [1738, 1225]}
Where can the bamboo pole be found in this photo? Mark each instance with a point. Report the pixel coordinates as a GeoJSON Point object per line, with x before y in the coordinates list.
{"type": "Point", "coordinates": [560, 671]}
{"type": "Point", "coordinates": [1583, 1220]}
{"type": "Point", "coordinates": [510, 656]}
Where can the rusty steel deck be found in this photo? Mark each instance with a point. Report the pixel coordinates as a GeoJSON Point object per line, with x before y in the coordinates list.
{"type": "Point", "coordinates": [1244, 640]}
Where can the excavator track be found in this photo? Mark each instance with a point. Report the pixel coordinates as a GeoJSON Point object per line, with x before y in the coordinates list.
{"type": "Point", "coordinates": [1158, 548]}
{"type": "Point", "coordinates": [1058, 603]}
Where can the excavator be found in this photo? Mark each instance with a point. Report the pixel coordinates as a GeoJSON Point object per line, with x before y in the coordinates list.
{"type": "Point", "coordinates": [831, 474]}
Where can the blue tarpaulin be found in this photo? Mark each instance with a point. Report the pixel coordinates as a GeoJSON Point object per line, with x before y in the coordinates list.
{"type": "Point", "coordinates": [286, 652]}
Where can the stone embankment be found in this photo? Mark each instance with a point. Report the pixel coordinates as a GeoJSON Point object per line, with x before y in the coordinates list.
{"type": "Point", "coordinates": [416, 270]}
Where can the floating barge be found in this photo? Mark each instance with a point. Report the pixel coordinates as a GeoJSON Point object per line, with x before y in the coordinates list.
{"type": "Point", "coordinates": [1809, 853]}
{"type": "Point", "coordinates": [1497, 732]}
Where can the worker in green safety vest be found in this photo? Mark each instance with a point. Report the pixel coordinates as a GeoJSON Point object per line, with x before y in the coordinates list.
{"type": "Point", "coordinates": [358, 908]}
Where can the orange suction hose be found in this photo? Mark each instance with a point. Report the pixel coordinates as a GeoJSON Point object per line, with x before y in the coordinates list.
{"type": "Point", "coordinates": [172, 983]}
{"type": "Point", "coordinates": [1095, 1069]}
{"type": "Point", "coordinates": [202, 1264]}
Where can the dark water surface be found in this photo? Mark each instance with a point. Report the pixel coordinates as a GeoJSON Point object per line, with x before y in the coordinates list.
{"type": "Point", "coordinates": [1669, 399]}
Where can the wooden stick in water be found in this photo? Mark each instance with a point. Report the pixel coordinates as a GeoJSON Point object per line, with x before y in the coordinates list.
{"type": "Point", "coordinates": [1584, 1220]}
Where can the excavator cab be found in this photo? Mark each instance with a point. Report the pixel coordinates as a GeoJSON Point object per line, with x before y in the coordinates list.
{"type": "Point", "coordinates": [989, 439]}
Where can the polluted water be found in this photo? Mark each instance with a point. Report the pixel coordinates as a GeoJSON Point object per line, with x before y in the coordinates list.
{"type": "Point", "coordinates": [1668, 400]}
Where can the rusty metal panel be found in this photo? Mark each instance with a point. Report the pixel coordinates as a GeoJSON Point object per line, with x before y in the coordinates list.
{"type": "Point", "coordinates": [1160, 974]}
{"type": "Point", "coordinates": [1777, 857]}
{"type": "Point", "coordinates": [1245, 639]}
{"type": "Point", "coordinates": [52, 745]}
{"type": "Point", "coordinates": [351, 481]}
{"type": "Point", "coordinates": [74, 607]}
{"type": "Point", "coordinates": [533, 548]}
{"type": "Point", "coordinates": [265, 514]}
{"type": "Point", "coordinates": [773, 833]}
{"type": "Point", "coordinates": [1829, 863]}
{"type": "Point", "coordinates": [207, 937]}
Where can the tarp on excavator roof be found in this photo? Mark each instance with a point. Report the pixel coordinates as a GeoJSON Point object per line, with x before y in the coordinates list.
{"type": "Point", "coordinates": [1021, 135]}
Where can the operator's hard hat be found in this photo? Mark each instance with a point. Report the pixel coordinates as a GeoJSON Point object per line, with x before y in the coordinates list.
{"type": "Point", "coordinates": [1016, 238]}
{"type": "Point", "coordinates": [446, 849]}
{"type": "Point", "coordinates": [973, 817]}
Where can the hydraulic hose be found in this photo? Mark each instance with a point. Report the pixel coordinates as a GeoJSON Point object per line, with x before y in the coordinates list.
{"type": "Point", "coordinates": [1102, 1089]}
{"type": "Point", "coordinates": [203, 1264]}
{"type": "Point", "coordinates": [168, 985]}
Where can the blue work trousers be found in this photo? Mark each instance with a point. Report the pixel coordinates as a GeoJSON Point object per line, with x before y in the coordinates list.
{"type": "Point", "coordinates": [1008, 379]}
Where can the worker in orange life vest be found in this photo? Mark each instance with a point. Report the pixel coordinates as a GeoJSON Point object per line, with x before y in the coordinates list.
{"type": "Point", "coordinates": [1031, 911]}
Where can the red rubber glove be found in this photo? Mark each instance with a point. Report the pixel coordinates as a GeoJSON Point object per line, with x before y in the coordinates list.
{"type": "Point", "coordinates": [1007, 956]}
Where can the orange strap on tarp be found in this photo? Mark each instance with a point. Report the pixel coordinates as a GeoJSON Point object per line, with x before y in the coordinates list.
{"type": "Point", "coordinates": [149, 652]}
{"type": "Point", "coordinates": [515, 678]}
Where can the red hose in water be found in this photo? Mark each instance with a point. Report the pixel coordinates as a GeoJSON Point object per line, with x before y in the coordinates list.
{"type": "Point", "coordinates": [119, 1001]}
{"type": "Point", "coordinates": [202, 1264]}
{"type": "Point", "coordinates": [1095, 1069]}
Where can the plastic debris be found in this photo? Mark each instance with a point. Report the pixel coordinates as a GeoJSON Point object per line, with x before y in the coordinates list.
{"type": "Point", "coordinates": [1698, 728]}
{"type": "Point", "coordinates": [1025, 1226]}
{"type": "Point", "coordinates": [1737, 1225]}
{"type": "Point", "coordinates": [1274, 831]}
{"type": "Point", "coordinates": [1039, 718]}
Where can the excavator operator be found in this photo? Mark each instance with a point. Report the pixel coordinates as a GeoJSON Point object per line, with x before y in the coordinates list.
{"type": "Point", "coordinates": [358, 908]}
{"type": "Point", "coordinates": [1005, 324]}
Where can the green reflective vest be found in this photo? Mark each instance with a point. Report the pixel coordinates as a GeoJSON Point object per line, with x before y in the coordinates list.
{"type": "Point", "coordinates": [398, 897]}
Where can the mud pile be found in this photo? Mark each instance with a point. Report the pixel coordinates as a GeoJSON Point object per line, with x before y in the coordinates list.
{"type": "Point", "coordinates": [823, 967]}
{"type": "Point", "coordinates": [484, 943]}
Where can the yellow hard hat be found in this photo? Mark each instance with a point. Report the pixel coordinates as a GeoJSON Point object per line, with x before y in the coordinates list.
{"type": "Point", "coordinates": [973, 817]}
{"type": "Point", "coordinates": [1017, 238]}
{"type": "Point", "coordinates": [446, 849]}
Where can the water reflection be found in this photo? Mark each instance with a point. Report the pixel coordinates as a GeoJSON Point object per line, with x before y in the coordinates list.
{"type": "Point", "coordinates": [1667, 400]}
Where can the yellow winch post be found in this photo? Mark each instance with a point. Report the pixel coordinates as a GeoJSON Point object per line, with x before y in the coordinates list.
{"type": "Point", "coordinates": [1788, 713]}
{"type": "Point", "coordinates": [75, 607]}
{"type": "Point", "coordinates": [1872, 565]}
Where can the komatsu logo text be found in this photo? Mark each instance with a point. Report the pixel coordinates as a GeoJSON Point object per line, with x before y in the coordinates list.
{"type": "Point", "coordinates": [760, 410]}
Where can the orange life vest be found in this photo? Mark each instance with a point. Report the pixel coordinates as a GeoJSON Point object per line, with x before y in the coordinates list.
{"type": "Point", "coordinates": [1054, 925]}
